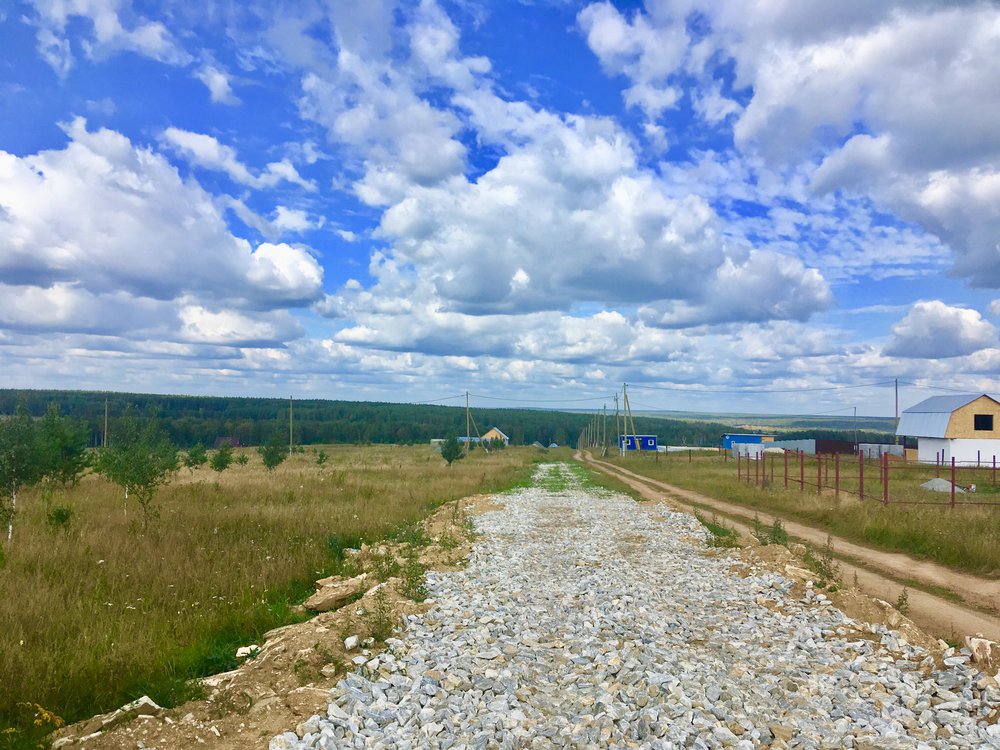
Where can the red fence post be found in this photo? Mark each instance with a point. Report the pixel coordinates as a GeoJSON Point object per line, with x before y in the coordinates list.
{"type": "Point", "coordinates": [802, 471]}
{"type": "Point", "coordinates": [861, 474]}
{"type": "Point", "coordinates": [994, 470]}
{"type": "Point", "coordinates": [952, 481]}
{"type": "Point", "coordinates": [756, 470]}
{"type": "Point", "coordinates": [885, 479]}
{"type": "Point", "coordinates": [785, 451]}
{"type": "Point", "coordinates": [937, 464]}
{"type": "Point", "coordinates": [836, 475]}
{"type": "Point", "coordinates": [739, 468]}
{"type": "Point", "coordinates": [819, 473]}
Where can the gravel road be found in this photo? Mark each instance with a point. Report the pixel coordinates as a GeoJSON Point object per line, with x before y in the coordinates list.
{"type": "Point", "coordinates": [587, 620]}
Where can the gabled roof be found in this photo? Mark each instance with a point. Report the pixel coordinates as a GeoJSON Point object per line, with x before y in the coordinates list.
{"type": "Point", "coordinates": [930, 417]}
{"type": "Point", "coordinates": [498, 431]}
{"type": "Point", "coordinates": [938, 404]}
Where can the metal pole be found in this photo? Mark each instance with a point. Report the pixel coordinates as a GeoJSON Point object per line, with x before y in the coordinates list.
{"type": "Point", "coordinates": [819, 473]}
{"type": "Point", "coordinates": [897, 410]}
{"type": "Point", "coordinates": [836, 475]}
{"type": "Point", "coordinates": [885, 479]}
{"type": "Point", "coordinates": [802, 471]}
{"type": "Point", "coordinates": [739, 467]}
{"type": "Point", "coordinates": [785, 451]}
{"type": "Point", "coordinates": [952, 481]}
{"type": "Point", "coordinates": [861, 474]}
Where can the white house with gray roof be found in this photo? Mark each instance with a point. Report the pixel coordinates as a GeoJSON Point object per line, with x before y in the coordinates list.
{"type": "Point", "coordinates": [965, 427]}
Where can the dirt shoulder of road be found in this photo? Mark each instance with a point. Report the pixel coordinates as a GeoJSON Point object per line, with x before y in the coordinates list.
{"type": "Point", "coordinates": [969, 609]}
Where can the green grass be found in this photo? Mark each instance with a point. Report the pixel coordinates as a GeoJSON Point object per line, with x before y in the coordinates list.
{"type": "Point", "coordinates": [563, 476]}
{"type": "Point", "coordinates": [97, 612]}
{"type": "Point", "coordinates": [722, 535]}
{"type": "Point", "coordinates": [963, 539]}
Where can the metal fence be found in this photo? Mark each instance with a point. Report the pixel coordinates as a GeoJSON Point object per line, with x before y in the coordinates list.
{"type": "Point", "coordinates": [881, 478]}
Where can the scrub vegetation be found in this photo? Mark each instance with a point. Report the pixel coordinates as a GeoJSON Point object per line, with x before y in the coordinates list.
{"type": "Point", "coordinates": [98, 607]}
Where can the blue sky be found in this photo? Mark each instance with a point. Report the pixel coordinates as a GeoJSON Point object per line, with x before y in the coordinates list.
{"type": "Point", "coordinates": [760, 206]}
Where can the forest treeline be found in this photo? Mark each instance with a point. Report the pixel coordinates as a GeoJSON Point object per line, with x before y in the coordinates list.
{"type": "Point", "coordinates": [189, 420]}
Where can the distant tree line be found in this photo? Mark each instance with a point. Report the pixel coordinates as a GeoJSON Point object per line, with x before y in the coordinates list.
{"type": "Point", "coordinates": [191, 420]}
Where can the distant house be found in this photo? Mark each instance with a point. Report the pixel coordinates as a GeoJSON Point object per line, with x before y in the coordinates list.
{"type": "Point", "coordinates": [966, 428]}
{"type": "Point", "coordinates": [536, 444]}
{"type": "Point", "coordinates": [494, 434]}
{"type": "Point", "coordinates": [553, 445]}
{"type": "Point", "coordinates": [232, 442]}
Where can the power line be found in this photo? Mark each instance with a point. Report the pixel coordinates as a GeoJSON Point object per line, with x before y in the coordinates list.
{"type": "Point", "coordinates": [695, 391]}
{"type": "Point", "coordinates": [540, 400]}
{"type": "Point", "coordinates": [935, 387]}
{"type": "Point", "coordinates": [437, 400]}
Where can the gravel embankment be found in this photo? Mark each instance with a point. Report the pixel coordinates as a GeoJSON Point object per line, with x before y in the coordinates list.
{"type": "Point", "coordinates": [584, 620]}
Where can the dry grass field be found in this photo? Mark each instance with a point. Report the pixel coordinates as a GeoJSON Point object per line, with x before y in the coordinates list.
{"type": "Point", "coordinates": [98, 611]}
{"type": "Point", "coordinates": [964, 538]}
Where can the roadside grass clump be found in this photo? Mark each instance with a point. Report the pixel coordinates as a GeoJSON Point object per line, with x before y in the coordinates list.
{"type": "Point", "coordinates": [412, 572]}
{"type": "Point", "coordinates": [773, 534]}
{"type": "Point", "coordinates": [903, 602]}
{"type": "Point", "coordinates": [963, 539]}
{"type": "Point", "coordinates": [447, 540]}
{"type": "Point", "coordinates": [381, 624]}
{"type": "Point", "coordinates": [106, 611]}
{"type": "Point", "coordinates": [824, 565]}
{"type": "Point", "coordinates": [722, 535]}
{"type": "Point", "coordinates": [384, 565]}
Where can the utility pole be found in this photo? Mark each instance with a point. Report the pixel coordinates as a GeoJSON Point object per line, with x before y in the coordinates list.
{"type": "Point", "coordinates": [855, 428]}
{"type": "Point", "coordinates": [104, 442]}
{"type": "Point", "coordinates": [468, 431]}
{"type": "Point", "coordinates": [604, 444]}
{"type": "Point", "coordinates": [290, 441]}
{"type": "Point", "coordinates": [897, 410]}
{"type": "Point", "coordinates": [629, 420]}
{"type": "Point", "coordinates": [618, 427]}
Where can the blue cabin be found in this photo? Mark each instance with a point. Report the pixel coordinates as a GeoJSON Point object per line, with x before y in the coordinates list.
{"type": "Point", "coordinates": [637, 442]}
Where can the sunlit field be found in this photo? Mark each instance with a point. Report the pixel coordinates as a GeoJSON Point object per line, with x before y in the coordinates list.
{"type": "Point", "coordinates": [964, 538]}
{"type": "Point", "coordinates": [100, 609]}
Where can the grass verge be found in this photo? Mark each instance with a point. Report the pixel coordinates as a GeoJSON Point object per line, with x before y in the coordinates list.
{"type": "Point", "coordinates": [98, 611]}
{"type": "Point", "coordinates": [962, 539]}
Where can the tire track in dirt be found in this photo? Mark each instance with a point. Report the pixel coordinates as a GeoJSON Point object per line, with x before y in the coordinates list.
{"type": "Point", "coordinates": [880, 574]}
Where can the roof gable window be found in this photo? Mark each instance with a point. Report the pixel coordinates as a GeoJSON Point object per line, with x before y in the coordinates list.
{"type": "Point", "coordinates": [982, 422]}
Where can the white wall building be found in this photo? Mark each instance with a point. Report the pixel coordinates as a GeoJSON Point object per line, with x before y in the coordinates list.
{"type": "Point", "coordinates": [966, 428]}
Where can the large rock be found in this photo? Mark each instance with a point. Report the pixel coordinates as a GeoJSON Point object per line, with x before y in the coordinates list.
{"type": "Point", "coordinates": [336, 593]}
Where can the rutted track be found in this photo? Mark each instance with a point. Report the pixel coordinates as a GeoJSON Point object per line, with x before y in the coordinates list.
{"type": "Point", "coordinates": [879, 573]}
{"type": "Point", "coordinates": [585, 620]}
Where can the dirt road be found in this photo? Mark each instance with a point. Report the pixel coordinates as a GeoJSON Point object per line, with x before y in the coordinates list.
{"type": "Point", "coordinates": [879, 573]}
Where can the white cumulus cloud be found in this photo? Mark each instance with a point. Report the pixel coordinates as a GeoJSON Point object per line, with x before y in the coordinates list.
{"type": "Point", "coordinates": [934, 329]}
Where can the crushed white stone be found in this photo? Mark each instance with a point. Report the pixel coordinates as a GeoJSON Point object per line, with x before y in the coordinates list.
{"type": "Point", "coordinates": [584, 620]}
